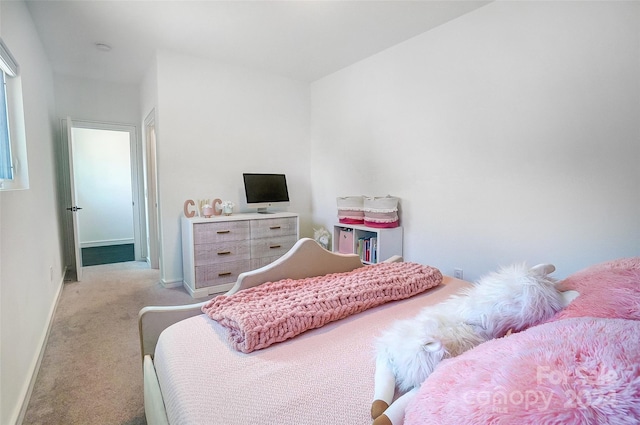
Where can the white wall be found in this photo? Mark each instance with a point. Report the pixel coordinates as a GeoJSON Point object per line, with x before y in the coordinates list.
{"type": "Point", "coordinates": [93, 100]}
{"type": "Point", "coordinates": [148, 96]}
{"type": "Point", "coordinates": [32, 268]}
{"type": "Point", "coordinates": [510, 134]}
{"type": "Point", "coordinates": [215, 122]}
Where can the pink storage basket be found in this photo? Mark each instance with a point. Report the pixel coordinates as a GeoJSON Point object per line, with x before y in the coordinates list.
{"type": "Point", "coordinates": [350, 209]}
{"type": "Point", "coordinates": [381, 212]}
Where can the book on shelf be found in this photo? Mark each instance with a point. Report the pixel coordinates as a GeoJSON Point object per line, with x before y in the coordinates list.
{"type": "Point", "coordinates": [367, 249]}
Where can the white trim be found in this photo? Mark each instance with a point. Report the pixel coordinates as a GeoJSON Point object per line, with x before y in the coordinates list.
{"type": "Point", "coordinates": [17, 136]}
{"type": "Point", "coordinates": [174, 283]}
{"type": "Point", "coordinates": [150, 180]}
{"type": "Point", "coordinates": [207, 290]}
{"type": "Point", "coordinates": [108, 242]}
{"type": "Point", "coordinates": [35, 368]}
{"type": "Point", "coordinates": [7, 62]}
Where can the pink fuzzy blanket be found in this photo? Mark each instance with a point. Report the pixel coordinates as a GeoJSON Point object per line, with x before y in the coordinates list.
{"type": "Point", "coordinates": [258, 317]}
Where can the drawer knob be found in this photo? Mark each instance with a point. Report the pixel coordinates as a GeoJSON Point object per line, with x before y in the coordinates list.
{"type": "Point", "coordinates": [220, 232]}
{"type": "Point", "coordinates": [224, 253]}
{"type": "Point", "coordinates": [274, 227]}
{"type": "Point", "coordinates": [275, 246]}
{"type": "Point", "coordinates": [224, 274]}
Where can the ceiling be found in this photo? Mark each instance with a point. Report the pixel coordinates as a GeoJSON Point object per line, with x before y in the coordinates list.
{"type": "Point", "coordinates": [304, 40]}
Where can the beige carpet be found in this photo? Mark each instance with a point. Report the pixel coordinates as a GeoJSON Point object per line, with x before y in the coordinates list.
{"type": "Point", "coordinates": [91, 372]}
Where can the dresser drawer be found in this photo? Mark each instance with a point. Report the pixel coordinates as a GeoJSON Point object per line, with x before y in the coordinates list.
{"type": "Point", "coordinates": [206, 233]}
{"type": "Point", "coordinates": [223, 252]}
{"type": "Point", "coordinates": [216, 250]}
{"type": "Point", "coordinates": [218, 274]}
{"type": "Point", "coordinates": [274, 227]}
{"type": "Point", "coordinates": [272, 247]}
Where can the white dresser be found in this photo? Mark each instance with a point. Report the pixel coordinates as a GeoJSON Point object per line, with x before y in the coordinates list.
{"type": "Point", "coordinates": [216, 250]}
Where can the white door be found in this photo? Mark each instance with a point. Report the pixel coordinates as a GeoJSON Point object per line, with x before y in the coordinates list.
{"type": "Point", "coordinates": [103, 188]}
{"type": "Point", "coordinates": [74, 209]}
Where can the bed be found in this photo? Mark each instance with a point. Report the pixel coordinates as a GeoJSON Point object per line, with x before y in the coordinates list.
{"type": "Point", "coordinates": [194, 375]}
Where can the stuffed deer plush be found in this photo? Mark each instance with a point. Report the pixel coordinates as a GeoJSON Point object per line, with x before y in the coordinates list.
{"type": "Point", "coordinates": [510, 300]}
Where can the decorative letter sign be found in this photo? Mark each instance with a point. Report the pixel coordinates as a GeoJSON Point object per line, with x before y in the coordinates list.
{"type": "Point", "coordinates": [187, 204]}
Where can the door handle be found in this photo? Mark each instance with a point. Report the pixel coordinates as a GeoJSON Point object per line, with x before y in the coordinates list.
{"type": "Point", "coordinates": [74, 209]}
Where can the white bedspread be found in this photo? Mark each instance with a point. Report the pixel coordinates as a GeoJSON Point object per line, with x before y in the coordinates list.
{"type": "Point", "coordinates": [324, 376]}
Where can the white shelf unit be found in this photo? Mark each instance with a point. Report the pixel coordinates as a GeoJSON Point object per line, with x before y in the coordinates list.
{"type": "Point", "coordinates": [388, 241]}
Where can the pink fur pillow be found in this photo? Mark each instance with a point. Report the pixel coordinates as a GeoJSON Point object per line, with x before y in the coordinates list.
{"type": "Point", "coordinates": [572, 371]}
{"type": "Point", "coordinates": [610, 289]}
{"type": "Point", "coordinates": [583, 366]}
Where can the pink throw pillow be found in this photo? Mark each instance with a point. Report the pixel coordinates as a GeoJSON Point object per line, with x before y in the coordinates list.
{"type": "Point", "coordinates": [609, 290]}
{"type": "Point", "coordinates": [571, 372]}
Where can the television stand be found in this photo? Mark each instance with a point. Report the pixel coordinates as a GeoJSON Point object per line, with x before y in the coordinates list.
{"type": "Point", "coordinates": [263, 211]}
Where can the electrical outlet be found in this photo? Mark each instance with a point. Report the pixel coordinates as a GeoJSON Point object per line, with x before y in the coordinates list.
{"type": "Point", "coordinates": [457, 273]}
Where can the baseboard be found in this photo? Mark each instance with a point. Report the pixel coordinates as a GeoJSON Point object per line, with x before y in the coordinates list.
{"type": "Point", "coordinates": [175, 283]}
{"type": "Point", "coordinates": [38, 361]}
{"type": "Point", "coordinates": [205, 292]}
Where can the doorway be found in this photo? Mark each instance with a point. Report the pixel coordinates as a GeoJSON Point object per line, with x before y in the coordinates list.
{"type": "Point", "coordinates": [102, 175]}
{"type": "Point", "coordinates": [103, 194]}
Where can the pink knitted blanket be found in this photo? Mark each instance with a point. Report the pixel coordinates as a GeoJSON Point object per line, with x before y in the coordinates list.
{"type": "Point", "coordinates": [276, 311]}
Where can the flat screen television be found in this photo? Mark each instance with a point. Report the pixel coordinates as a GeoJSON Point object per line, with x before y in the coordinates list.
{"type": "Point", "coordinates": [265, 190]}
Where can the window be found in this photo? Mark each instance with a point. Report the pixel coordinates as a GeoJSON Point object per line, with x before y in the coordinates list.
{"type": "Point", "coordinates": [6, 163]}
{"type": "Point", "coordinates": [13, 145]}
